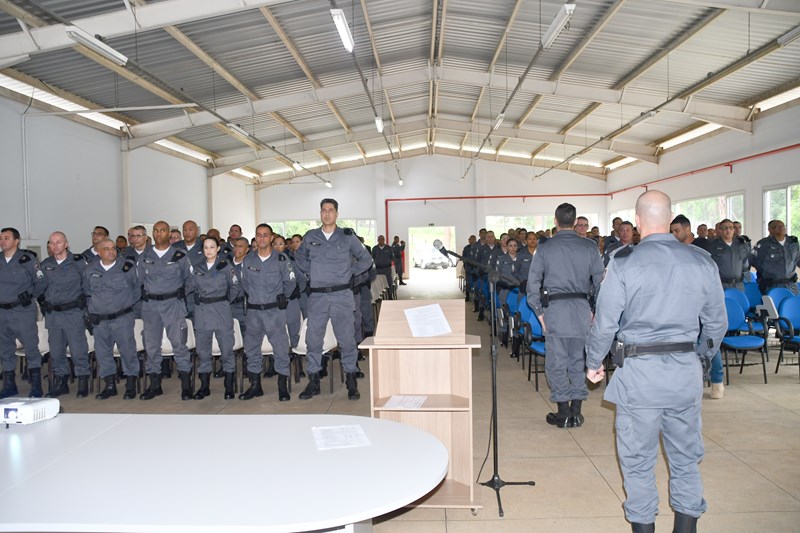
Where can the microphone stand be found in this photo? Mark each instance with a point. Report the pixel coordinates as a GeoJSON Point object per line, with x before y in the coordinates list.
{"type": "Point", "coordinates": [495, 482]}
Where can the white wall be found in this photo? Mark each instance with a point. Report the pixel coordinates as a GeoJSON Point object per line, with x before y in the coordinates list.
{"type": "Point", "coordinates": [772, 131]}
{"type": "Point", "coordinates": [233, 202]}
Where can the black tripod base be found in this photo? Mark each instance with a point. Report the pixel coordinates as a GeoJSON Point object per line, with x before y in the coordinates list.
{"type": "Point", "coordinates": [496, 483]}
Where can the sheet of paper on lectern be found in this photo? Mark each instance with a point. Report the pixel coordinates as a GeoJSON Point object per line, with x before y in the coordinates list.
{"type": "Point", "coordinates": [403, 401]}
{"type": "Point", "coordinates": [427, 321]}
{"type": "Point", "coordinates": [336, 437]}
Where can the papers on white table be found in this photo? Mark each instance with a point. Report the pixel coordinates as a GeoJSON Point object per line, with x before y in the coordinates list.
{"type": "Point", "coordinates": [336, 437]}
{"type": "Point", "coordinates": [402, 401]}
{"type": "Point", "coordinates": [427, 321]}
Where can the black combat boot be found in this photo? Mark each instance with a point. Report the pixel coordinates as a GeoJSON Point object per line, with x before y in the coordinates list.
{"type": "Point", "coordinates": [230, 385]}
{"type": "Point", "coordinates": [312, 389]}
{"type": "Point", "coordinates": [186, 385]}
{"type": "Point", "coordinates": [516, 344]}
{"type": "Point", "coordinates": [83, 387]}
{"type": "Point", "coordinates": [58, 386]}
{"type": "Point", "coordinates": [9, 384]}
{"type": "Point", "coordinates": [283, 389]}
{"type": "Point", "coordinates": [504, 339]}
{"type": "Point", "coordinates": [684, 524]}
{"type": "Point", "coordinates": [255, 387]}
{"type": "Point", "coordinates": [323, 372]}
{"type": "Point", "coordinates": [130, 388]}
{"type": "Point", "coordinates": [480, 314]}
{"type": "Point", "coordinates": [154, 389]}
{"type": "Point", "coordinates": [204, 389]}
{"type": "Point", "coordinates": [270, 372]}
{"type": "Point", "coordinates": [110, 388]}
{"type": "Point", "coordinates": [575, 417]}
{"type": "Point", "coordinates": [358, 372]}
{"type": "Point", "coordinates": [559, 419]}
{"type": "Point", "coordinates": [466, 295]}
{"type": "Point", "coordinates": [36, 383]}
{"type": "Point", "coordinates": [352, 386]}
{"type": "Point", "coordinates": [643, 528]}
{"type": "Point", "coordinates": [166, 368]}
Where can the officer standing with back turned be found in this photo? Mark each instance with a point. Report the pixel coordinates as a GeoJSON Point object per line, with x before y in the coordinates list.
{"type": "Point", "coordinates": [658, 298]}
{"type": "Point", "coordinates": [565, 274]}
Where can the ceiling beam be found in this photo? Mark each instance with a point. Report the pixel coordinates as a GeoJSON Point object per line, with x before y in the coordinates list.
{"type": "Point", "coordinates": [439, 51]}
{"type": "Point", "coordinates": [154, 130]}
{"type": "Point", "coordinates": [771, 7]}
{"type": "Point", "coordinates": [120, 23]}
{"type": "Point", "coordinates": [377, 59]}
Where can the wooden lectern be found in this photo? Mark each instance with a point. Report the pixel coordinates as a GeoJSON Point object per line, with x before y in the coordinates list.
{"type": "Point", "coordinates": [439, 368]}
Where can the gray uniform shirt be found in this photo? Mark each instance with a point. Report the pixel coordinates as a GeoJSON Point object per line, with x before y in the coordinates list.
{"type": "Point", "coordinates": [660, 291]}
{"type": "Point", "coordinates": [329, 262]}
{"type": "Point", "coordinates": [64, 282]}
{"type": "Point", "coordinates": [21, 274]}
{"type": "Point", "coordinates": [164, 275]}
{"type": "Point", "coordinates": [264, 280]}
{"type": "Point", "coordinates": [195, 255]}
{"type": "Point", "coordinates": [732, 261]}
{"type": "Point", "coordinates": [111, 291]}
{"type": "Point", "coordinates": [383, 256]}
{"type": "Point", "coordinates": [775, 261]}
{"type": "Point", "coordinates": [565, 263]}
{"type": "Point", "coordinates": [221, 280]}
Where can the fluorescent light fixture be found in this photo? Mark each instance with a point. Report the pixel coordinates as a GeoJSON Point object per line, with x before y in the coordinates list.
{"type": "Point", "coordinates": [621, 162]}
{"type": "Point", "coordinates": [296, 165]}
{"type": "Point", "coordinates": [557, 26]}
{"type": "Point", "coordinates": [340, 22]}
{"type": "Point", "coordinates": [329, 185]}
{"type": "Point", "coordinates": [379, 124]}
{"type": "Point", "coordinates": [400, 182]}
{"type": "Point", "coordinates": [644, 116]}
{"type": "Point", "coordinates": [96, 45]}
{"type": "Point", "coordinates": [789, 36]}
{"type": "Point", "coordinates": [238, 129]}
{"type": "Point", "coordinates": [498, 121]}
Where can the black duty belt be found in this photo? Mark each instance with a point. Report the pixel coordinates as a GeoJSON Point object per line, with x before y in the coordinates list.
{"type": "Point", "coordinates": [262, 307]}
{"type": "Point", "coordinates": [569, 296]}
{"type": "Point", "coordinates": [79, 304]}
{"type": "Point", "coordinates": [335, 288]}
{"type": "Point", "coordinates": [731, 280]}
{"type": "Point", "coordinates": [214, 300]}
{"type": "Point", "coordinates": [238, 300]}
{"type": "Point", "coordinates": [96, 319]}
{"type": "Point", "coordinates": [161, 297]}
{"type": "Point", "coordinates": [634, 350]}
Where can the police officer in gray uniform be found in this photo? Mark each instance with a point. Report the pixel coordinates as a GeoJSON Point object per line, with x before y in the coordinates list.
{"type": "Point", "coordinates": [98, 234]}
{"type": "Point", "coordinates": [165, 273]}
{"type": "Point", "coordinates": [194, 253]}
{"type": "Point", "coordinates": [398, 247]}
{"type": "Point", "coordinates": [565, 275]}
{"type": "Point", "coordinates": [514, 266]}
{"type": "Point", "coordinates": [625, 232]}
{"type": "Point", "coordinates": [775, 259]}
{"type": "Point", "coordinates": [112, 287]}
{"type": "Point", "coordinates": [21, 282]}
{"type": "Point", "coordinates": [383, 255]}
{"type": "Point", "coordinates": [64, 308]}
{"type": "Point", "coordinates": [240, 249]}
{"type": "Point", "coordinates": [326, 257]}
{"type": "Point", "coordinates": [731, 254]}
{"type": "Point", "coordinates": [487, 255]}
{"type": "Point", "coordinates": [268, 279]}
{"type": "Point", "coordinates": [658, 298]}
{"type": "Point", "coordinates": [214, 285]}
{"type": "Point", "coordinates": [294, 317]}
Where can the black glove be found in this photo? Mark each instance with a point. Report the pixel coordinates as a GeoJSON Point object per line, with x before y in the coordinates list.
{"type": "Point", "coordinates": [42, 304]}
{"type": "Point", "coordinates": [25, 299]}
{"type": "Point", "coordinates": [523, 285]}
{"type": "Point", "coordinates": [283, 303]}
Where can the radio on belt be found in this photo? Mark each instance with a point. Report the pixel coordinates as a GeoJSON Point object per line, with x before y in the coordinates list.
{"type": "Point", "coordinates": [28, 410]}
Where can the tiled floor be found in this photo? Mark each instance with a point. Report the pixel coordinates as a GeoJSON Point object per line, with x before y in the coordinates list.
{"type": "Point", "coordinates": [751, 470]}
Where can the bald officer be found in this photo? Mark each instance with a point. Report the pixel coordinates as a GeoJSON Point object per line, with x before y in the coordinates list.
{"type": "Point", "coordinates": [21, 282]}
{"type": "Point", "coordinates": [658, 298]}
{"type": "Point", "coordinates": [331, 257]}
{"type": "Point", "coordinates": [165, 273]}
{"type": "Point", "coordinates": [565, 274]}
{"type": "Point", "coordinates": [64, 307]}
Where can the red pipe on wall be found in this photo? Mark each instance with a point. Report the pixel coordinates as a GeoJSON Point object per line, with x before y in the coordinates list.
{"type": "Point", "coordinates": [611, 194]}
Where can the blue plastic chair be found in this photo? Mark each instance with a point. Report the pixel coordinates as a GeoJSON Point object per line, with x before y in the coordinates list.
{"type": "Point", "coordinates": [535, 342]}
{"type": "Point", "coordinates": [740, 343]}
{"type": "Point", "coordinates": [788, 327]}
{"type": "Point", "coordinates": [755, 324]}
{"type": "Point", "coordinates": [752, 293]}
{"type": "Point", "coordinates": [778, 295]}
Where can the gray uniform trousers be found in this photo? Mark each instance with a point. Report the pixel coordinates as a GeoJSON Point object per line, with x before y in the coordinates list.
{"type": "Point", "coordinates": [158, 316]}
{"type": "Point", "coordinates": [367, 311]}
{"type": "Point", "coordinates": [358, 330]}
{"type": "Point", "coordinates": [120, 331]}
{"type": "Point", "coordinates": [214, 319]}
{"type": "Point", "coordinates": [19, 323]}
{"type": "Point", "coordinates": [638, 430]}
{"type": "Point", "coordinates": [339, 308]}
{"type": "Point", "coordinates": [564, 367]}
{"type": "Point", "coordinates": [294, 318]}
{"type": "Point", "coordinates": [66, 328]}
{"type": "Point", "coordinates": [272, 323]}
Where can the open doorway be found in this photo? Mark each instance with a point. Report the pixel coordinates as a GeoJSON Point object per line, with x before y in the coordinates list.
{"type": "Point", "coordinates": [424, 260]}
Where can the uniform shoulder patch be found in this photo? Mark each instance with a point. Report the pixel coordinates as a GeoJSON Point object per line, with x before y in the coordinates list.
{"type": "Point", "coordinates": [745, 237]}
{"type": "Point", "coordinates": [625, 252]}
{"type": "Point", "coordinates": [128, 265]}
{"type": "Point", "coordinates": [281, 257]}
{"type": "Point", "coordinates": [77, 257]}
{"type": "Point", "coordinates": [25, 258]}
{"type": "Point", "coordinates": [221, 265]}
{"type": "Point", "coordinates": [29, 252]}
{"type": "Point", "coordinates": [791, 238]}
{"type": "Point", "coordinates": [178, 255]}
{"type": "Point", "coordinates": [347, 231]}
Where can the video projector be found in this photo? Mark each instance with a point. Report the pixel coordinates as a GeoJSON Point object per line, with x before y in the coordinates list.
{"type": "Point", "coordinates": [28, 410]}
